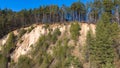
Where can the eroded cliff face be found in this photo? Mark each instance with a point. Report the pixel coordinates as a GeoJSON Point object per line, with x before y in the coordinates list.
{"type": "Point", "coordinates": [29, 39]}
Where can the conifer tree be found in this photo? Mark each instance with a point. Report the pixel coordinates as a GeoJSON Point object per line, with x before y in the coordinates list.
{"type": "Point", "coordinates": [102, 52]}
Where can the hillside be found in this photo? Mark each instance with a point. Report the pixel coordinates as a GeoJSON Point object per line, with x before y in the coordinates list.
{"type": "Point", "coordinates": [30, 35]}
{"type": "Point", "coordinates": [60, 34]}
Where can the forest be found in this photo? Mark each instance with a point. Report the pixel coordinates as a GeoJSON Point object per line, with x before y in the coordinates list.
{"type": "Point", "coordinates": [78, 11]}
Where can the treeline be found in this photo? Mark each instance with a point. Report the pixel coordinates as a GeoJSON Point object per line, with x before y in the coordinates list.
{"type": "Point", "coordinates": [78, 11]}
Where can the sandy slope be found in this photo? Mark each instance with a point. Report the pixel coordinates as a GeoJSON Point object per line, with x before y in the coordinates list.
{"type": "Point", "coordinates": [32, 37]}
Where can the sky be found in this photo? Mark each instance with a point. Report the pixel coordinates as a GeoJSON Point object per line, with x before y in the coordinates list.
{"type": "Point", "coordinates": [17, 5]}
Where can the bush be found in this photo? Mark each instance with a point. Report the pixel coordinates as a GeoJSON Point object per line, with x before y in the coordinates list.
{"type": "Point", "coordinates": [30, 29]}
{"type": "Point", "coordinates": [39, 45]}
{"type": "Point", "coordinates": [54, 39]}
{"type": "Point", "coordinates": [60, 52]}
{"type": "Point", "coordinates": [7, 49]}
{"type": "Point", "coordinates": [10, 44]}
{"type": "Point", "coordinates": [21, 33]}
{"type": "Point", "coordinates": [57, 32]}
{"type": "Point", "coordinates": [39, 54]}
{"type": "Point", "coordinates": [3, 61]}
{"type": "Point", "coordinates": [55, 35]}
{"type": "Point", "coordinates": [46, 26]}
{"type": "Point", "coordinates": [39, 51]}
{"type": "Point", "coordinates": [77, 63]}
{"type": "Point", "coordinates": [74, 30]}
{"type": "Point", "coordinates": [47, 60]}
{"type": "Point", "coordinates": [24, 62]}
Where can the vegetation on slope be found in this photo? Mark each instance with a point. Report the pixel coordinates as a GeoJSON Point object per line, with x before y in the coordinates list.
{"type": "Point", "coordinates": [7, 49]}
{"type": "Point", "coordinates": [101, 49]}
{"type": "Point", "coordinates": [50, 51]}
{"type": "Point", "coordinates": [74, 30]}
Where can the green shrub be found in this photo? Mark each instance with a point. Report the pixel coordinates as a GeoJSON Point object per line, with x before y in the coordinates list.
{"type": "Point", "coordinates": [46, 26]}
{"type": "Point", "coordinates": [57, 32]}
{"type": "Point", "coordinates": [47, 60]}
{"type": "Point", "coordinates": [6, 50]}
{"type": "Point", "coordinates": [39, 53]}
{"type": "Point", "coordinates": [21, 33]}
{"type": "Point", "coordinates": [39, 45]}
{"type": "Point", "coordinates": [9, 45]}
{"type": "Point", "coordinates": [61, 51]}
{"type": "Point", "coordinates": [30, 29]}
{"type": "Point", "coordinates": [63, 55]}
{"type": "Point", "coordinates": [77, 63]}
{"type": "Point", "coordinates": [74, 30]}
{"type": "Point", "coordinates": [24, 62]}
{"type": "Point", "coordinates": [3, 61]}
{"type": "Point", "coordinates": [55, 35]}
{"type": "Point", "coordinates": [53, 39]}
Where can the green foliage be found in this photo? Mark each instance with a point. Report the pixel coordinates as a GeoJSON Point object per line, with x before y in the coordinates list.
{"type": "Point", "coordinates": [46, 62]}
{"type": "Point", "coordinates": [60, 51]}
{"type": "Point", "coordinates": [89, 44]}
{"type": "Point", "coordinates": [108, 65]}
{"type": "Point", "coordinates": [30, 29]}
{"type": "Point", "coordinates": [42, 58]}
{"type": "Point", "coordinates": [21, 33]}
{"type": "Point", "coordinates": [10, 44]}
{"type": "Point", "coordinates": [104, 43]}
{"type": "Point", "coordinates": [116, 38]}
{"type": "Point", "coordinates": [24, 62]}
{"type": "Point", "coordinates": [55, 35]}
{"type": "Point", "coordinates": [2, 61]}
{"type": "Point", "coordinates": [108, 5]}
{"type": "Point", "coordinates": [72, 61]}
{"type": "Point", "coordinates": [46, 26]}
{"type": "Point", "coordinates": [40, 45]}
{"type": "Point", "coordinates": [77, 63]}
{"type": "Point", "coordinates": [101, 49]}
{"type": "Point", "coordinates": [6, 50]}
{"type": "Point", "coordinates": [74, 30]}
{"type": "Point", "coordinates": [57, 32]}
{"type": "Point", "coordinates": [10, 20]}
{"type": "Point", "coordinates": [63, 56]}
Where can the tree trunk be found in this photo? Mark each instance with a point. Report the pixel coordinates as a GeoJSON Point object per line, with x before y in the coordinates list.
{"type": "Point", "coordinates": [79, 17]}
{"type": "Point", "coordinates": [73, 16]}
{"type": "Point", "coordinates": [36, 18]}
{"type": "Point", "coordinates": [117, 15]}
{"type": "Point", "coordinates": [50, 16]}
{"type": "Point", "coordinates": [43, 18]}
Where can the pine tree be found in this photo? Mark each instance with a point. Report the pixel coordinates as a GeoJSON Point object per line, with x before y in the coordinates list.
{"type": "Point", "coordinates": [101, 50]}
{"type": "Point", "coordinates": [90, 48]}
{"type": "Point", "coordinates": [74, 30]}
